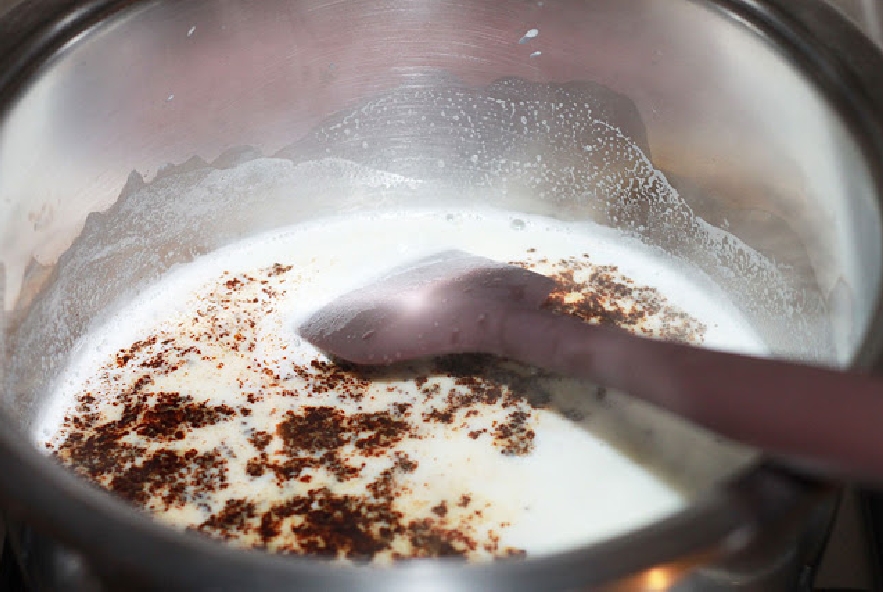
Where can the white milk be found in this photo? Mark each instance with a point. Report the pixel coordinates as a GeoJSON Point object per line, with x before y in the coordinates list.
{"type": "Point", "coordinates": [461, 484]}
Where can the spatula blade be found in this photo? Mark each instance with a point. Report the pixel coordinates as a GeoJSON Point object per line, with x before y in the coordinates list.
{"type": "Point", "coordinates": [451, 302]}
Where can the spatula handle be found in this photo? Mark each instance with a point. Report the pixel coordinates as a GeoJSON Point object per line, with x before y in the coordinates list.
{"type": "Point", "coordinates": [824, 420]}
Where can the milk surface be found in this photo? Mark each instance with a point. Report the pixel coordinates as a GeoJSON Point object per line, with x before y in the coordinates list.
{"type": "Point", "coordinates": [200, 403]}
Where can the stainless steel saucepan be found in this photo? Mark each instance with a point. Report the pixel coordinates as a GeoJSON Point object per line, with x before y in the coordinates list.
{"type": "Point", "coordinates": [118, 118]}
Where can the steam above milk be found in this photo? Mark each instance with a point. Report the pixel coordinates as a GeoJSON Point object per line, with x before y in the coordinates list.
{"type": "Point", "coordinates": [460, 466]}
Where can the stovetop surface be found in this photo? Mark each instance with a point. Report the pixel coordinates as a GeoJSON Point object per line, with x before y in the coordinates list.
{"type": "Point", "coordinates": [10, 577]}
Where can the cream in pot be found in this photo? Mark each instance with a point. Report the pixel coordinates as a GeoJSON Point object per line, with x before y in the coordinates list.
{"type": "Point", "coordinates": [199, 402]}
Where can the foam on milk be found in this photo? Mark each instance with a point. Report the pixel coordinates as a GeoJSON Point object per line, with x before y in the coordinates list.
{"type": "Point", "coordinates": [572, 488]}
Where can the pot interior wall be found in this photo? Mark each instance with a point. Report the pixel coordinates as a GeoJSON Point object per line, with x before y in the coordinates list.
{"type": "Point", "coordinates": [677, 125]}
